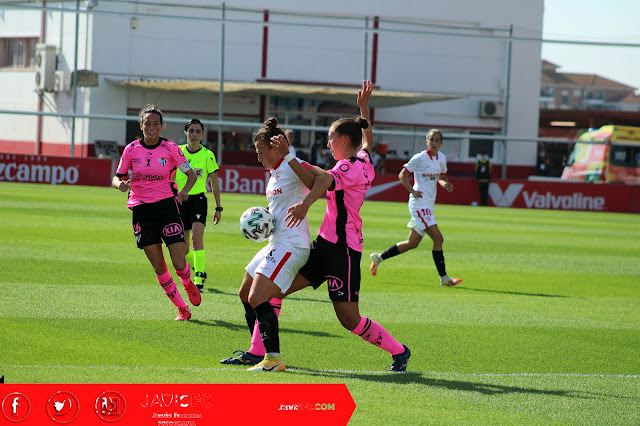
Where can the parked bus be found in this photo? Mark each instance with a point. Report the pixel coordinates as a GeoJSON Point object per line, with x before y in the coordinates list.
{"type": "Point", "coordinates": [608, 154]}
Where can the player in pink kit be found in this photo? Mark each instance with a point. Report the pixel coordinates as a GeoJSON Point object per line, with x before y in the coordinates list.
{"type": "Point", "coordinates": [336, 253]}
{"type": "Point", "coordinates": [153, 199]}
{"type": "Point", "coordinates": [270, 273]}
{"type": "Point", "coordinates": [428, 168]}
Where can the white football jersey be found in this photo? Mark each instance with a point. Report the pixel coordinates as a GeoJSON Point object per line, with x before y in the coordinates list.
{"type": "Point", "coordinates": [284, 190]}
{"type": "Point", "coordinates": [426, 169]}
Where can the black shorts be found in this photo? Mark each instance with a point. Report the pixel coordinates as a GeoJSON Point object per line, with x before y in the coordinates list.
{"type": "Point", "coordinates": [194, 210]}
{"type": "Point", "coordinates": [157, 222]}
{"type": "Point", "coordinates": [339, 265]}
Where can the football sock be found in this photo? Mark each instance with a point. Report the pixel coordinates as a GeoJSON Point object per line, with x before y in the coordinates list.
{"type": "Point", "coordinates": [257, 347]}
{"type": "Point", "coordinates": [375, 334]}
{"type": "Point", "coordinates": [189, 257]}
{"type": "Point", "coordinates": [170, 289]}
{"type": "Point", "coordinates": [250, 316]}
{"type": "Point", "coordinates": [185, 274]}
{"type": "Point", "coordinates": [268, 325]}
{"type": "Point", "coordinates": [390, 252]}
{"type": "Point", "coordinates": [438, 258]}
{"type": "Point", "coordinates": [198, 263]}
{"type": "Point", "coordinates": [277, 305]}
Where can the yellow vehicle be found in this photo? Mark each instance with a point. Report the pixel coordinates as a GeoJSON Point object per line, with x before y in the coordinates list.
{"type": "Point", "coordinates": [608, 154]}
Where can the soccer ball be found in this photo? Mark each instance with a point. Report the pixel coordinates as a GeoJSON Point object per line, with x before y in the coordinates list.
{"type": "Point", "coordinates": [257, 224]}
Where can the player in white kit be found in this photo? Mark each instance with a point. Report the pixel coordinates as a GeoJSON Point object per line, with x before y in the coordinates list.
{"type": "Point", "coordinates": [273, 268]}
{"type": "Point", "coordinates": [429, 168]}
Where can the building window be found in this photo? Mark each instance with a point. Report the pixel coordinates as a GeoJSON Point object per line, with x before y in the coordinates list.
{"type": "Point", "coordinates": [480, 146]}
{"type": "Point", "coordinates": [547, 91]}
{"type": "Point", "coordinates": [17, 52]}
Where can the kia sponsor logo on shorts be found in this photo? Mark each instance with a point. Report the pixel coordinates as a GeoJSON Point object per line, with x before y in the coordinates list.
{"type": "Point", "coordinates": [334, 283]}
{"type": "Point", "coordinates": [172, 229]}
{"type": "Point", "coordinates": [543, 199]}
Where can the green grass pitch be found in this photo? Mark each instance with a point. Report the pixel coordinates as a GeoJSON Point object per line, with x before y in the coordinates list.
{"type": "Point", "coordinates": [544, 329]}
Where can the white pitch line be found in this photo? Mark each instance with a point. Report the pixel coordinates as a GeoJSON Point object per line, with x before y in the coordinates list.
{"type": "Point", "coordinates": [427, 373]}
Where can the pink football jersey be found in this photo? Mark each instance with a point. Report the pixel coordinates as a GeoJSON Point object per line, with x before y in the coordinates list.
{"type": "Point", "coordinates": [152, 170]}
{"type": "Point", "coordinates": [342, 223]}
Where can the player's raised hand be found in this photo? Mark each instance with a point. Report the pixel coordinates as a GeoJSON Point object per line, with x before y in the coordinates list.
{"type": "Point", "coordinates": [364, 94]}
{"type": "Point", "coordinates": [280, 143]}
{"type": "Point", "coordinates": [296, 214]}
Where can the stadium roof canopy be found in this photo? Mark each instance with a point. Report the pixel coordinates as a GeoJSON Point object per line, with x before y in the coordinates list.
{"type": "Point", "coordinates": [341, 93]}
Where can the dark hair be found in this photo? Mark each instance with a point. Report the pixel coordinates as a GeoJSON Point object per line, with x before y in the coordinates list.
{"type": "Point", "coordinates": [436, 131]}
{"type": "Point", "coordinates": [269, 130]}
{"type": "Point", "coordinates": [351, 127]}
{"type": "Point", "coordinates": [150, 109]}
{"type": "Point", "coordinates": [193, 121]}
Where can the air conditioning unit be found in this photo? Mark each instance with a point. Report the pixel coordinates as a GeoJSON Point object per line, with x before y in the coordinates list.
{"type": "Point", "coordinates": [62, 81]}
{"type": "Point", "coordinates": [491, 109]}
{"type": "Point", "coordinates": [46, 59]}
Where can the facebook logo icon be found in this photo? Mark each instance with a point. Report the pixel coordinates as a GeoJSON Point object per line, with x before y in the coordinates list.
{"type": "Point", "coordinates": [16, 407]}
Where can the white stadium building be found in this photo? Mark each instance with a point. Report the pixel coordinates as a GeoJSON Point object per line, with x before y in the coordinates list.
{"type": "Point", "coordinates": [470, 68]}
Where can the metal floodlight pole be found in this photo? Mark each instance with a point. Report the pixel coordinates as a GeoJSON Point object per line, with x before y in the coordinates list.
{"type": "Point", "coordinates": [74, 82]}
{"type": "Point", "coordinates": [365, 51]}
{"type": "Point", "coordinates": [507, 95]}
{"type": "Point", "coordinates": [221, 93]}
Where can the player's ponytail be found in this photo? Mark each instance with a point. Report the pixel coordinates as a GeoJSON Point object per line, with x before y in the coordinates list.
{"type": "Point", "coordinates": [351, 127]}
{"type": "Point", "coordinates": [269, 130]}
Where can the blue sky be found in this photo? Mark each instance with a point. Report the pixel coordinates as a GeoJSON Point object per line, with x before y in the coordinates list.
{"type": "Point", "coordinates": [615, 21]}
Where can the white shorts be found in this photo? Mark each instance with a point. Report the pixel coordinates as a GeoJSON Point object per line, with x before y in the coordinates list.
{"type": "Point", "coordinates": [278, 262]}
{"type": "Point", "coordinates": [421, 219]}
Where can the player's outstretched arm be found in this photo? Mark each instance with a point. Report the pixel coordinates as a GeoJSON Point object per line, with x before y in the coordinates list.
{"type": "Point", "coordinates": [297, 212]}
{"type": "Point", "coordinates": [363, 99]}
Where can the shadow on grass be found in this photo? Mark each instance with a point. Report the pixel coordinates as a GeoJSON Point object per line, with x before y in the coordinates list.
{"type": "Point", "coordinates": [294, 296]}
{"type": "Point", "coordinates": [515, 293]}
{"type": "Point", "coordinates": [460, 385]}
{"type": "Point", "coordinates": [216, 291]}
{"type": "Point", "coordinates": [232, 326]}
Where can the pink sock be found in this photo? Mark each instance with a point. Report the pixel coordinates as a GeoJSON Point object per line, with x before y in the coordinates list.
{"type": "Point", "coordinates": [375, 334]}
{"type": "Point", "coordinates": [185, 274]}
{"type": "Point", "coordinates": [257, 347]}
{"type": "Point", "coordinates": [170, 289]}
